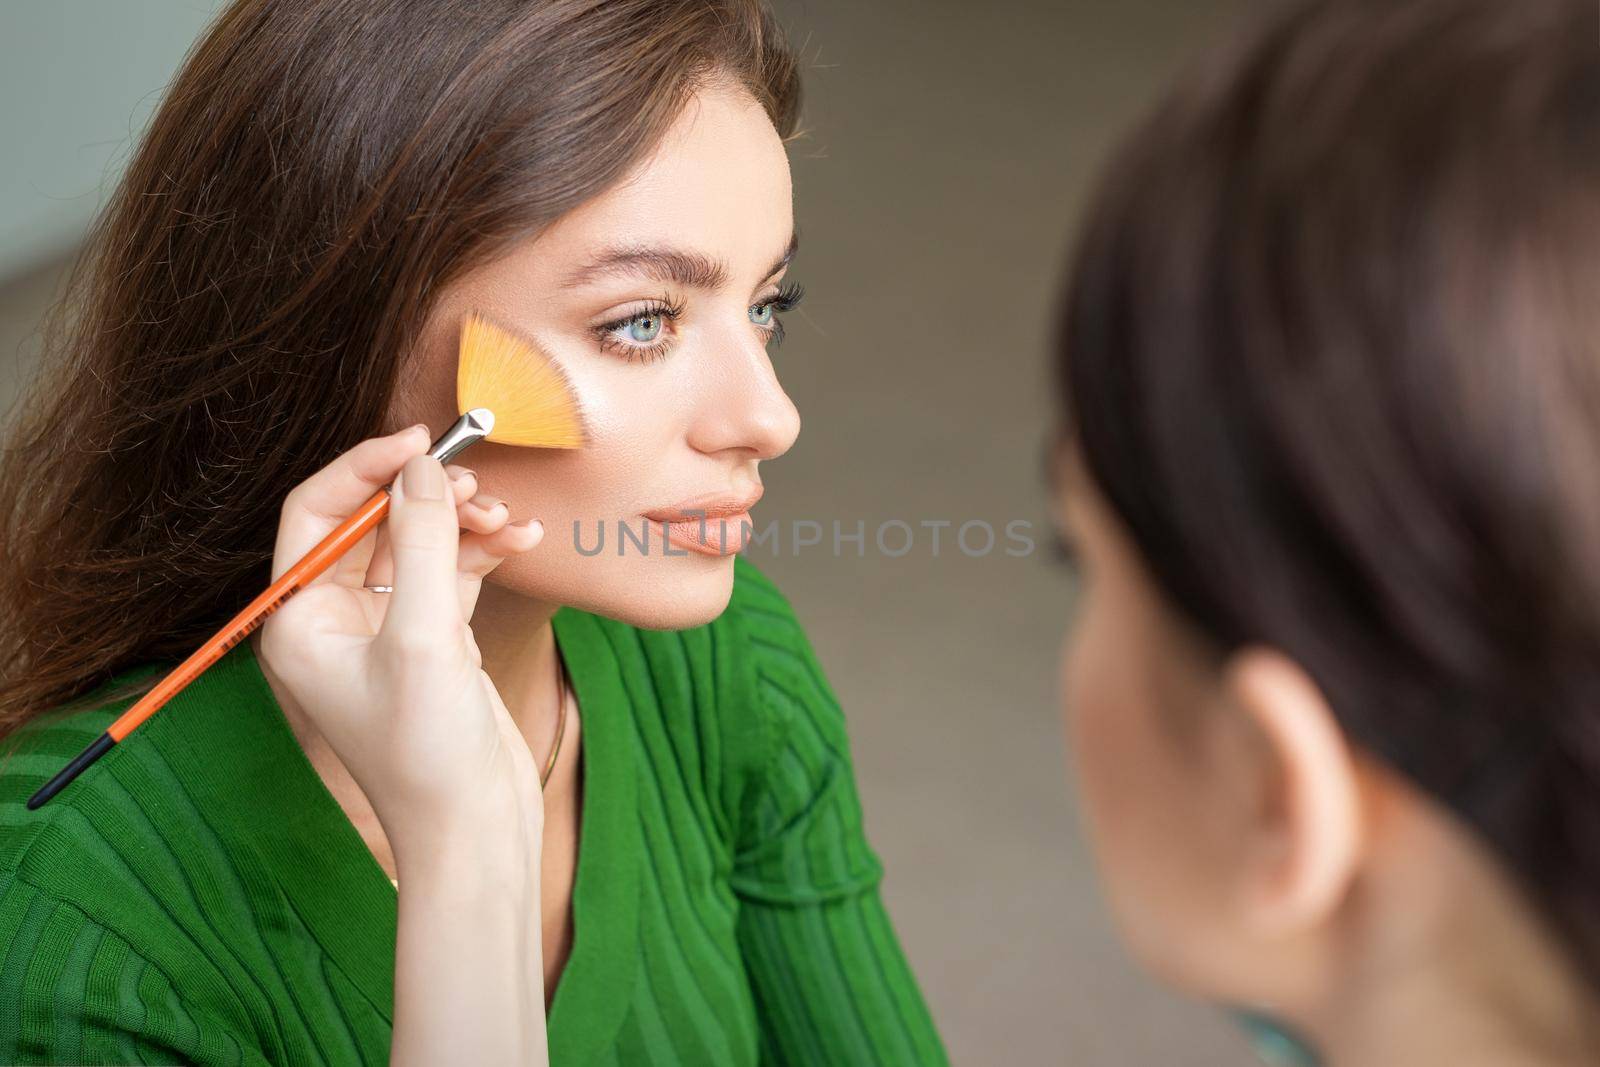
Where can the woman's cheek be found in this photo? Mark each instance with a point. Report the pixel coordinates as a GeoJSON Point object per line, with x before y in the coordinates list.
{"type": "Point", "coordinates": [1126, 788]}
{"type": "Point", "coordinates": [1096, 749]}
{"type": "Point", "coordinates": [599, 482]}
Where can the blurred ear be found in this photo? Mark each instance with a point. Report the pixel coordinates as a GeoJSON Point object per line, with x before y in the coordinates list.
{"type": "Point", "coordinates": [1306, 838]}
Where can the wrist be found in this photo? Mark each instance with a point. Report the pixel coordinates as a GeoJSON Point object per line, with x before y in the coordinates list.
{"type": "Point", "coordinates": [469, 880]}
{"type": "Point", "coordinates": [486, 832]}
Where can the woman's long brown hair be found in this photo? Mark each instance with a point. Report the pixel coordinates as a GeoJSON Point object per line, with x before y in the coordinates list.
{"type": "Point", "coordinates": [243, 310]}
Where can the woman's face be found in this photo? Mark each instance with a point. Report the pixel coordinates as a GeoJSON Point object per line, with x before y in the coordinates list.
{"type": "Point", "coordinates": [659, 299]}
{"type": "Point", "coordinates": [1163, 764]}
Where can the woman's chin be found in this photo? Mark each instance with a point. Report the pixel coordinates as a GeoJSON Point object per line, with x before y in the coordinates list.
{"type": "Point", "coordinates": [652, 593]}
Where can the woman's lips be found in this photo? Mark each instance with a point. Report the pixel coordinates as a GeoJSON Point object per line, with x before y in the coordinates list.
{"type": "Point", "coordinates": [720, 536]}
{"type": "Point", "coordinates": [711, 525]}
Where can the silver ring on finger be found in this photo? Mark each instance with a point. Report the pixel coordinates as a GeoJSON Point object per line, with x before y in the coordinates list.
{"type": "Point", "coordinates": [379, 588]}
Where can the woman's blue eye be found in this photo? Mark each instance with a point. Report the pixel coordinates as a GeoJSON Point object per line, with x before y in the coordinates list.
{"type": "Point", "coordinates": [644, 328]}
{"type": "Point", "coordinates": [642, 335]}
{"type": "Point", "coordinates": [762, 314]}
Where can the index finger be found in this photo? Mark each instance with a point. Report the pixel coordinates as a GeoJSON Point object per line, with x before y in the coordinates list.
{"type": "Point", "coordinates": [315, 507]}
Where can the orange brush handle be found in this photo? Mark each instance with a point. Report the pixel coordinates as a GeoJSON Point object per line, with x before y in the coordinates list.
{"type": "Point", "coordinates": [296, 578]}
{"type": "Point", "coordinates": [474, 425]}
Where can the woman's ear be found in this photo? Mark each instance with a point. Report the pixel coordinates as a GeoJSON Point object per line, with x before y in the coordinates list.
{"type": "Point", "coordinates": [1306, 836]}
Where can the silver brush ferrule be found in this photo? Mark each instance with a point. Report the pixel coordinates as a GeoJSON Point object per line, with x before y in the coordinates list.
{"type": "Point", "coordinates": [470, 428]}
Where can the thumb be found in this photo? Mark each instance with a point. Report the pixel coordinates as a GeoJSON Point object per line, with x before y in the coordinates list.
{"type": "Point", "coordinates": [423, 543]}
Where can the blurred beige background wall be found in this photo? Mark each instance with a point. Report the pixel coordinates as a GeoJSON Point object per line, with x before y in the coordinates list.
{"type": "Point", "coordinates": [951, 146]}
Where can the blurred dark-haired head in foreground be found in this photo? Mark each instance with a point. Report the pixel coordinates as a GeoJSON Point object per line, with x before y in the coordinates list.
{"type": "Point", "coordinates": [1329, 371]}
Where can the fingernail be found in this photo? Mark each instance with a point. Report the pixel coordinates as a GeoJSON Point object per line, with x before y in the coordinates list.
{"type": "Point", "coordinates": [423, 479]}
{"type": "Point", "coordinates": [527, 524]}
{"type": "Point", "coordinates": [424, 428]}
{"type": "Point", "coordinates": [457, 475]}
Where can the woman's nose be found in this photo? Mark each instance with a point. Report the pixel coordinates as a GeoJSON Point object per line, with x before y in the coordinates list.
{"type": "Point", "coordinates": [745, 407]}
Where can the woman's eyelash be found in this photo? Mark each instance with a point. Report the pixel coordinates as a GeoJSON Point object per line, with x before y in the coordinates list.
{"type": "Point", "coordinates": [788, 296]}
{"type": "Point", "coordinates": [786, 299]}
{"type": "Point", "coordinates": [663, 312]}
{"type": "Point", "coordinates": [1064, 551]}
{"type": "Point", "coordinates": [660, 308]}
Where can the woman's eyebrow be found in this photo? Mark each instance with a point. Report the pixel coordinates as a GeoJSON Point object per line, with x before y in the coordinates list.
{"type": "Point", "coordinates": [693, 270]}
{"type": "Point", "coordinates": [788, 253]}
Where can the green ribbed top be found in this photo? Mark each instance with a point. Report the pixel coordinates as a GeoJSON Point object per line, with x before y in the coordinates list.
{"type": "Point", "coordinates": [199, 896]}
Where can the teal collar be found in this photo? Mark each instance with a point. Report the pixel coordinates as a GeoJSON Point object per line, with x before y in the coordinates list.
{"type": "Point", "coordinates": [1274, 1041]}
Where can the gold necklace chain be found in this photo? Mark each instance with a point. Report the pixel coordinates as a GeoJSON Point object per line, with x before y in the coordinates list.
{"type": "Point", "coordinates": [561, 719]}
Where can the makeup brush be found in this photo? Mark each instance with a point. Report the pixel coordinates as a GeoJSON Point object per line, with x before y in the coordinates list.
{"type": "Point", "coordinates": [510, 391]}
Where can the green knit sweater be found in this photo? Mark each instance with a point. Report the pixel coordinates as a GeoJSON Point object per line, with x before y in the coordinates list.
{"type": "Point", "coordinates": [199, 896]}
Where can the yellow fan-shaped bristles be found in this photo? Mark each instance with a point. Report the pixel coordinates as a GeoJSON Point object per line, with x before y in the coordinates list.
{"type": "Point", "coordinates": [532, 401]}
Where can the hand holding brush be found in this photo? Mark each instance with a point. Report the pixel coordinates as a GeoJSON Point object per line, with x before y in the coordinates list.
{"type": "Point", "coordinates": [394, 682]}
{"type": "Point", "coordinates": [509, 390]}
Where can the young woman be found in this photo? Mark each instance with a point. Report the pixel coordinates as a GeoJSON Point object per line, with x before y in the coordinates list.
{"type": "Point", "coordinates": [1330, 376]}
{"type": "Point", "coordinates": [623, 794]}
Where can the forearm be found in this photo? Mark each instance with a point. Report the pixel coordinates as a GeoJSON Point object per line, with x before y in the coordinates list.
{"type": "Point", "coordinates": [469, 976]}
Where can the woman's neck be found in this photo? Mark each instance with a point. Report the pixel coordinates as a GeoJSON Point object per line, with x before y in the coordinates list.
{"type": "Point", "coordinates": [518, 644]}
{"type": "Point", "coordinates": [1459, 970]}
{"type": "Point", "coordinates": [1459, 1020]}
